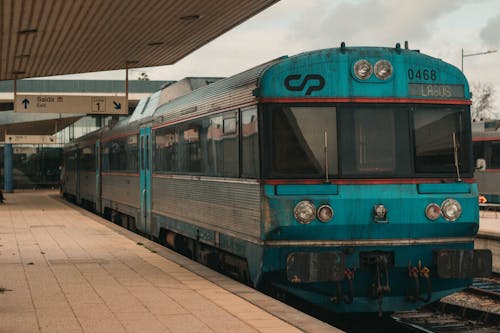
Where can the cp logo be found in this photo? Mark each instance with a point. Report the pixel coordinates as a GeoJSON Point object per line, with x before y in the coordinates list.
{"type": "Point", "coordinates": [293, 83]}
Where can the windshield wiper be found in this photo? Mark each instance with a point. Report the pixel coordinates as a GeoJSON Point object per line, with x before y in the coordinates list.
{"type": "Point", "coordinates": [455, 156]}
{"type": "Point", "coordinates": [327, 181]}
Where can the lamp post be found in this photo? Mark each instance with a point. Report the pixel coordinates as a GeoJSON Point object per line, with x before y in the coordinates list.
{"type": "Point", "coordinates": [474, 54]}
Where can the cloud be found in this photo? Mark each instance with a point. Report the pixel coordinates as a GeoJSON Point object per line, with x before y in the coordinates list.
{"type": "Point", "coordinates": [489, 33]}
{"type": "Point", "coordinates": [374, 22]}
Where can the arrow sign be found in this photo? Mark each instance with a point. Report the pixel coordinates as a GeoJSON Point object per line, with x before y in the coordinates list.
{"type": "Point", "coordinates": [103, 105]}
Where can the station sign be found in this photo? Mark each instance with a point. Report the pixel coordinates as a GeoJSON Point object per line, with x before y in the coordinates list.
{"type": "Point", "coordinates": [105, 105]}
{"type": "Point", "coordinates": [29, 139]}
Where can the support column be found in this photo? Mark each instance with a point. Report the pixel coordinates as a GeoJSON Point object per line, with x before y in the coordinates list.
{"type": "Point", "coordinates": [7, 167]}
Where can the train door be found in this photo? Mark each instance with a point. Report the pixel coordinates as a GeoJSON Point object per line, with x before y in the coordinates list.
{"type": "Point", "coordinates": [145, 179]}
{"type": "Point", "coordinates": [98, 176]}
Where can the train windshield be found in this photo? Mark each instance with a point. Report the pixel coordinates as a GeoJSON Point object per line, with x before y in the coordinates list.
{"type": "Point", "coordinates": [367, 141]}
{"type": "Point", "coordinates": [303, 141]}
{"type": "Point", "coordinates": [441, 144]}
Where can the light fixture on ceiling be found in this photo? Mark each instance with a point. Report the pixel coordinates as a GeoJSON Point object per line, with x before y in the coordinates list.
{"type": "Point", "coordinates": [190, 18]}
{"type": "Point", "coordinates": [27, 31]}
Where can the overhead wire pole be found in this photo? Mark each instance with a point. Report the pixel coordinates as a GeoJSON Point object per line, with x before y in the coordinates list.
{"type": "Point", "coordinates": [474, 54]}
{"type": "Point", "coordinates": [126, 84]}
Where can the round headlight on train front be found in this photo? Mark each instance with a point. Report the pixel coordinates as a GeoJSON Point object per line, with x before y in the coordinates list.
{"type": "Point", "coordinates": [451, 209]}
{"type": "Point", "coordinates": [383, 69]}
{"type": "Point", "coordinates": [325, 213]}
{"type": "Point", "coordinates": [432, 211]}
{"type": "Point", "coordinates": [304, 212]}
{"type": "Point", "coordinates": [363, 69]}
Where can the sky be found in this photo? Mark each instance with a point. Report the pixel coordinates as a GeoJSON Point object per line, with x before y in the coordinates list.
{"type": "Point", "coordinates": [438, 28]}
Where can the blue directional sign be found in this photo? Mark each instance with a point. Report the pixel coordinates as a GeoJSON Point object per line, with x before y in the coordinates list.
{"type": "Point", "coordinates": [118, 106]}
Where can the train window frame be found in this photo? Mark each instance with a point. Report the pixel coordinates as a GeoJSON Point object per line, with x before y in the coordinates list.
{"type": "Point", "coordinates": [183, 160]}
{"type": "Point", "coordinates": [250, 167]}
{"type": "Point", "coordinates": [465, 156]}
{"type": "Point", "coordinates": [350, 166]}
{"type": "Point", "coordinates": [86, 158]}
{"type": "Point", "coordinates": [128, 158]}
{"type": "Point", "coordinates": [268, 164]}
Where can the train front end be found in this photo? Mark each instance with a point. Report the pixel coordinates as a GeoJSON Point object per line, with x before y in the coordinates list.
{"type": "Point", "coordinates": [369, 201]}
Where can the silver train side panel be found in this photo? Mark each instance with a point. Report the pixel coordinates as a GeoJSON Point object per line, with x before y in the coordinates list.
{"type": "Point", "coordinates": [121, 192]}
{"type": "Point", "coordinates": [70, 182]}
{"type": "Point", "coordinates": [87, 186]}
{"type": "Point", "coordinates": [229, 207]}
{"type": "Point", "coordinates": [488, 182]}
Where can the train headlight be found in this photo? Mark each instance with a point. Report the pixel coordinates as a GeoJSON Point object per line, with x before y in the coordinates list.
{"type": "Point", "coordinates": [451, 209]}
{"type": "Point", "coordinates": [380, 213]}
{"type": "Point", "coordinates": [325, 213]}
{"type": "Point", "coordinates": [363, 69]}
{"type": "Point", "coordinates": [383, 69]}
{"type": "Point", "coordinates": [304, 212]}
{"type": "Point", "coordinates": [432, 211]}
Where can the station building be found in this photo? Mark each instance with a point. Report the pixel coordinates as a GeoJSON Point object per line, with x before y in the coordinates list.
{"type": "Point", "coordinates": [36, 165]}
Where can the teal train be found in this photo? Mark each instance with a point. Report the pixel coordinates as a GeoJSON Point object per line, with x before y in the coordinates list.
{"type": "Point", "coordinates": [341, 177]}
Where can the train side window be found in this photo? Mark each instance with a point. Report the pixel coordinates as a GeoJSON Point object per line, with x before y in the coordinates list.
{"type": "Point", "coordinates": [166, 142]}
{"type": "Point", "coordinates": [478, 150]}
{"type": "Point", "coordinates": [219, 145]}
{"type": "Point", "coordinates": [495, 155]}
{"type": "Point", "coordinates": [121, 154]}
{"type": "Point", "coordinates": [87, 159]}
{"type": "Point", "coordinates": [249, 143]}
{"type": "Point", "coordinates": [132, 151]}
{"type": "Point", "coordinates": [70, 161]}
{"type": "Point", "coordinates": [189, 153]}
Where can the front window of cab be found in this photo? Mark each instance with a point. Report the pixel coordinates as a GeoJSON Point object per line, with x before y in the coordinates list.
{"type": "Point", "coordinates": [365, 141]}
{"type": "Point", "coordinates": [303, 141]}
{"type": "Point", "coordinates": [441, 144]}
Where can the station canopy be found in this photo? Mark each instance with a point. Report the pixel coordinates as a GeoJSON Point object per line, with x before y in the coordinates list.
{"type": "Point", "coordinates": [54, 37]}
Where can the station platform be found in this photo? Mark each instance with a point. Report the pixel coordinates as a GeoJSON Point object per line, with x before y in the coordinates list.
{"type": "Point", "coordinates": [63, 269]}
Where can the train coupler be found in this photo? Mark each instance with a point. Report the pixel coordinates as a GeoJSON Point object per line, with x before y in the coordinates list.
{"type": "Point", "coordinates": [380, 286]}
{"type": "Point", "coordinates": [415, 273]}
{"type": "Point", "coordinates": [340, 295]}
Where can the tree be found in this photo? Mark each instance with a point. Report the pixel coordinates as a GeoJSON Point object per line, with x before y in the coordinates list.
{"type": "Point", "coordinates": [143, 77]}
{"type": "Point", "coordinates": [482, 101]}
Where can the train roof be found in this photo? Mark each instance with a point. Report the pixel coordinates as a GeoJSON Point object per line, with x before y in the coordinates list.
{"type": "Point", "coordinates": [192, 97]}
{"type": "Point", "coordinates": [334, 67]}
{"type": "Point", "coordinates": [219, 95]}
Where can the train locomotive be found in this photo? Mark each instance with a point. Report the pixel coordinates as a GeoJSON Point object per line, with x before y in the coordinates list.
{"type": "Point", "coordinates": [342, 177]}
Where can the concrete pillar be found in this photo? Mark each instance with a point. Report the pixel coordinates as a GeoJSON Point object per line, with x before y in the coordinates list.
{"type": "Point", "coordinates": [7, 167]}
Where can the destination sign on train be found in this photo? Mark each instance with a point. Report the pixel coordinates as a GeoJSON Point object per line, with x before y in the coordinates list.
{"type": "Point", "coordinates": [105, 105]}
{"type": "Point", "coordinates": [436, 90]}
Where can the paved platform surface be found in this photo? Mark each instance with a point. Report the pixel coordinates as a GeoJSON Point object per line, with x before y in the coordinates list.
{"type": "Point", "coordinates": [489, 235]}
{"type": "Point", "coordinates": [63, 269]}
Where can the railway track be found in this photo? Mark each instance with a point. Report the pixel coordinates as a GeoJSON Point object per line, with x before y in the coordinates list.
{"type": "Point", "coordinates": [476, 309]}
